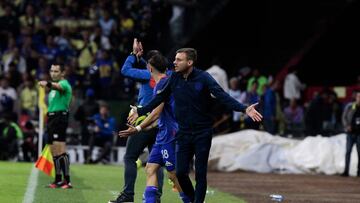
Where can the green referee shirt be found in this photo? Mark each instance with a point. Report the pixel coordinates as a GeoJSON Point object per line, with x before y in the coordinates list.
{"type": "Point", "coordinates": [60, 100]}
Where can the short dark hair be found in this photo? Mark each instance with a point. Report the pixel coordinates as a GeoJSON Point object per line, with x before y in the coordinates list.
{"type": "Point", "coordinates": [159, 62]}
{"type": "Point", "coordinates": [104, 104]}
{"type": "Point", "coordinates": [152, 53]}
{"type": "Point", "coordinates": [62, 67]}
{"type": "Point", "coordinates": [191, 53]}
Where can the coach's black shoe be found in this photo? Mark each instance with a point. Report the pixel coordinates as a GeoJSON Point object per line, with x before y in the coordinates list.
{"type": "Point", "coordinates": [123, 198]}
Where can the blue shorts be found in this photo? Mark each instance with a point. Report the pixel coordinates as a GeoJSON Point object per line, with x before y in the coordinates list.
{"type": "Point", "coordinates": [164, 155]}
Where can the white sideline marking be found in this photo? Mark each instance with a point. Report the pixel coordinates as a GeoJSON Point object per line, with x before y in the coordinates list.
{"type": "Point", "coordinates": [31, 186]}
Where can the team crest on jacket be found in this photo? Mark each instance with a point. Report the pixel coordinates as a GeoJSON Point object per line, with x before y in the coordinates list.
{"type": "Point", "coordinates": [198, 86]}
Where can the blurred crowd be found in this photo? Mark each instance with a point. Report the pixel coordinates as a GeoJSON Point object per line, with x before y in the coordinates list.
{"type": "Point", "coordinates": [90, 38]}
{"type": "Point", "coordinates": [282, 103]}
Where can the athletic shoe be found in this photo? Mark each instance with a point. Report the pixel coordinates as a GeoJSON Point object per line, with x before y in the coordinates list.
{"type": "Point", "coordinates": [55, 185]}
{"type": "Point", "coordinates": [67, 186]}
{"type": "Point", "coordinates": [123, 198]}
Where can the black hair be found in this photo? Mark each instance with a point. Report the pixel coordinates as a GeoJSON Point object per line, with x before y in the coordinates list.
{"type": "Point", "coordinates": [152, 53]}
{"type": "Point", "coordinates": [62, 67]}
{"type": "Point", "coordinates": [159, 62]}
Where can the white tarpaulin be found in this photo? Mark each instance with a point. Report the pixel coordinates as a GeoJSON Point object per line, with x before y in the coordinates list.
{"type": "Point", "coordinates": [258, 151]}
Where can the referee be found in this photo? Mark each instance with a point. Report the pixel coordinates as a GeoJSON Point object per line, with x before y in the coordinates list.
{"type": "Point", "coordinates": [59, 99]}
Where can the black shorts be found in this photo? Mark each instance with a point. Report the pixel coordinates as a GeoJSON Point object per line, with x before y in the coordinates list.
{"type": "Point", "coordinates": [57, 124]}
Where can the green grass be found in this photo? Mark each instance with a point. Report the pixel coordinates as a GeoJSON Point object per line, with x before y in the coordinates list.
{"type": "Point", "coordinates": [13, 181]}
{"type": "Point", "coordinates": [92, 184]}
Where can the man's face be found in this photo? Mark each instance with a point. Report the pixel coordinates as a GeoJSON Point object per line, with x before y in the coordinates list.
{"type": "Point", "coordinates": [55, 73]}
{"type": "Point", "coordinates": [181, 63]}
{"type": "Point", "coordinates": [104, 111]}
{"type": "Point", "coordinates": [357, 98]}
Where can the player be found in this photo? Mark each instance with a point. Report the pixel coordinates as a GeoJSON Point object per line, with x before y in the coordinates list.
{"type": "Point", "coordinates": [163, 151]}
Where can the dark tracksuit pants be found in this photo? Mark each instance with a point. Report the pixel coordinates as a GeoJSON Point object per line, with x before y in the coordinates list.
{"type": "Point", "coordinates": [352, 139]}
{"type": "Point", "coordinates": [188, 145]}
{"type": "Point", "coordinates": [134, 148]}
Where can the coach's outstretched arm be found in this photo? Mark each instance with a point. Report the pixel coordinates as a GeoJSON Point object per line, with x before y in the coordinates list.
{"type": "Point", "coordinates": [230, 102]}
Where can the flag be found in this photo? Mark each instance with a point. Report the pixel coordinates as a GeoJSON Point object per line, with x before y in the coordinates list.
{"type": "Point", "coordinates": [45, 162]}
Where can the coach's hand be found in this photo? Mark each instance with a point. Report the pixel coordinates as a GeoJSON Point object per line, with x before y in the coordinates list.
{"type": "Point", "coordinates": [128, 132]}
{"type": "Point", "coordinates": [252, 113]}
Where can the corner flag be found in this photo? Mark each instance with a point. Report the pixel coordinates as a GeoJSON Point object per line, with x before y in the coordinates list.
{"type": "Point", "coordinates": [45, 162]}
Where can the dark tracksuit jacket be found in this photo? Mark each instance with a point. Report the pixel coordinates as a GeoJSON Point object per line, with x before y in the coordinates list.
{"type": "Point", "coordinates": [193, 100]}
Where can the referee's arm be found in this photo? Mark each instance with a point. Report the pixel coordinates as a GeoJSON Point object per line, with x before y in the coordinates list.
{"type": "Point", "coordinates": [51, 85]}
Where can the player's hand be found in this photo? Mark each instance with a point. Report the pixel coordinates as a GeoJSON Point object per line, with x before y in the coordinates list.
{"type": "Point", "coordinates": [252, 113]}
{"type": "Point", "coordinates": [42, 83]}
{"type": "Point", "coordinates": [133, 116]}
{"type": "Point", "coordinates": [136, 47]}
{"type": "Point", "coordinates": [128, 132]}
{"type": "Point", "coordinates": [140, 50]}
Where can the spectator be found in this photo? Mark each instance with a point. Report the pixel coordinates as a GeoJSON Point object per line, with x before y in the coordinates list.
{"type": "Point", "coordinates": [30, 18]}
{"type": "Point", "coordinates": [29, 146]}
{"type": "Point", "coordinates": [235, 93]}
{"type": "Point", "coordinates": [86, 52]}
{"type": "Point", "coordinates": [316, 113]}
{"type": "Point", "coordinates": [28, 96]}
{"type": "Point", "coordinates": [42, 70]}
{"type": "Point", "coordinates": [15, 58]}
{"type": "Point", "coordinates": [10, 138]}
{"type": "Point", "coordinates": [292, 86]}
{"type": "Point", "coordinates": [9, 22]}
{"type": "Point", "coordinates": [100, 39]}
{"type": "Point", "coordinates": [84, 114]}
{"type": "Point", "coordinates": [14, 76]}
{"type": "Point", "coordinates": [103, 135]}
{"type": "Point", "coordinates": [219, 74]}
{"type": "Point", "coordinates": [269, 108]}
{"type": "Point", "coordinates": [107, 24]}
{"type": "Point", "coordinates": [8, 96]}
{"type": "Point", "coordinates": [28, 51]}
{"type": "Point", "coordinates": [63, 42]}
{"type": "Point", "coordinates": [351, 122]}
{"type": "Point", "coordinates": [106, 73]}
{"type": "Point", "coordinates": [294, 118]}
{"type": "Point", "coordinates": [50, 51]}
{"type": "Point", "coordinates": [260, 79]}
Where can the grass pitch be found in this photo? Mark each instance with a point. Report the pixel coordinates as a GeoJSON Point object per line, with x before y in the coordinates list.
{"type": "Point", "coordinates": [92, 183]}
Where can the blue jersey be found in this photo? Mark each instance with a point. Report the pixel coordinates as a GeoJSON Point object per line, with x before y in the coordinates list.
{"type": "Point", "coordinates": [167, 124]}
{"type": "Point", "coordinates": [141, 75]}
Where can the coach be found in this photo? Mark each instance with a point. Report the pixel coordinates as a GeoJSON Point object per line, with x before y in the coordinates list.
{"type": "Point", "coordinates": [192, 89]}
